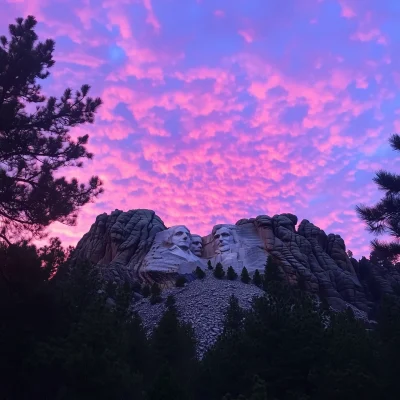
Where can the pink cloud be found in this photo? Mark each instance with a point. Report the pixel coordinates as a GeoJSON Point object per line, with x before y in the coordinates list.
{"type": "Point", "coordinates": [347, 11]}
{"type": "Point", "coordinates": [248, 35]}
{"type": "Point", "coordinates": [151, 18]}
{"type": "Point", "coordinates": [205, 129]}
{"type": "Point", "coordinates": [367, 36]}
{"type": "Point", "coordinates": [83, 59]}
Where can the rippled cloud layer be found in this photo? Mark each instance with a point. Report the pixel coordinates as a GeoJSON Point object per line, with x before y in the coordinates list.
{"type": "Point", "coordinates": [220, 110]}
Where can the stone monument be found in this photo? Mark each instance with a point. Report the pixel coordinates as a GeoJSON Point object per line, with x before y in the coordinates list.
{"type": "Point", "coordinates": [237, 246]}
{"type": "Point", "coordinates": [197, 245]}
{"type": "Point", "coordinates": [171, 254]}
{"type": "Point", "coordinates": [137, 246]}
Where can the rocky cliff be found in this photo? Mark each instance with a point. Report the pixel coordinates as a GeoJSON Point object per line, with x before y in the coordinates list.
{"type": "Point", "coordinates": [127, 245]}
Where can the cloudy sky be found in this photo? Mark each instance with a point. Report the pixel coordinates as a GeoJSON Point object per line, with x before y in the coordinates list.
{"type": "Point", "coordinates": [217, 110]}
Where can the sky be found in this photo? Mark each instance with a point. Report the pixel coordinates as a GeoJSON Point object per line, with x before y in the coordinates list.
{"type": "Point", "coordinates": [218, 110]}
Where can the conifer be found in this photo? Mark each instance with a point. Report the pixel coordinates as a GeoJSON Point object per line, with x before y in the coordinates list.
{"type": "Point", "coordinates": [219, 272]}
{"type": "Point", "coordinates": [257, 280]}
{"type": "Point", "coordinates": [231, 274]}
{"type": "Point", "coordinates": [244, 276]}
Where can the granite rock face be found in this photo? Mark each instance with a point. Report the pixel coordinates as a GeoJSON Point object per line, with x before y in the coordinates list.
{"type": "Point", "coordinates": [136, 245]}
{"type": "Point", "coordinates": [118, 243]}
{"type": "Point", "coordinates": [314, 260]}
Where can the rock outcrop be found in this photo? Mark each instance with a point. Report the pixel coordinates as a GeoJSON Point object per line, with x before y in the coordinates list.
{"type": "Point", "coordinates": [136, 245]}
{"type": "Point", "coordinates": [118, 243]}
{"type": "Point", "coordinates": [312, 259]}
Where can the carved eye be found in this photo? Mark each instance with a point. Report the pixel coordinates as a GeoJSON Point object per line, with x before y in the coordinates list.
{"type": "Point", "coordinates": [216, 236]}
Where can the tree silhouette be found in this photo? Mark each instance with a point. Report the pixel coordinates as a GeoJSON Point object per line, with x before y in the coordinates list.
{"type": "Point", "coordinates": [384, 217]}
{"type": "Point", "coordinates": [219, 271]}
{"type": "Point", "coordinates": [36, 145]}
{"type": "Point", "coordinates": [244, 276]}
{"type": "Point", "coordinates": [231, 274]}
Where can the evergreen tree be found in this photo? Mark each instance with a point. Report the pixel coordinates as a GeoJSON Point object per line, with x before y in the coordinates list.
{"type": "Point", "coordinates": [146, 291]}
{"type": "Point", "coordinates": [166, 385]}
{"type": "Point", "coordinates": [244, 276]}
{"type": "Point", "coordinates": [123, 301]}
{"type": "Point", "coordinates": [180, 281]}
{"type": "Point", "coordinates": [348, 365]}
{"type": "Point", "coordinates": [219, 272]}
{"type": "Point", "coordinates": [349, 253]}
{"type": "Point", "coordinates": [155, 294]}
{"type": "Point", "coordinates": [259, 391]}
{"type": "Point", "coordinates": [199, 273]}
{"type": "Point", "coordinates": [264, 346]}
{"type": "Point", "coordinates": [231, 274]}
{"type": "Point", "coordinates": [384, 217]}
{"type": "Point", "coordinates": [174, 358]}
{"type": "Point", "coordinates": [170, 302]}
{"type": "Point", "coordinates": [35, 146]}
{"type": "Point", "coordinates": [209, 265]}
{"type": "Point", "coordinates": [155, 289]}
{"type": "Point", "coordinates": [72, 339]}
{"type": "Point", "coordinates": [257, 280]}
{"type": "Point", "coordinates": [233, 315]}
{"type": "Point", "coordinates": [271, 272]}
{"type": "Point", "coordinates": [155, 299]}
{"type": "Point", "coordinates": [136, 287]}
{"type": "Point", "coordinates": [388, 335]}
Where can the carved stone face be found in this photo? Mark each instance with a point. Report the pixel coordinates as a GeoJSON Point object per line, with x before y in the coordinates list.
{"type": "Point", "coordinates": [223, 239]}
{"type": "Point", "coordinates": [197, 245]}
{"type": "Point", "coordinates": [181, 237]}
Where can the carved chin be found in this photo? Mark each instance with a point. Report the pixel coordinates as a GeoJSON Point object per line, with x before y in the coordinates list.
{"type": "Point", "coordinates": [224, 248]}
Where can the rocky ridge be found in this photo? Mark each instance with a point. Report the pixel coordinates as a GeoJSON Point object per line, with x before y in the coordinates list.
{"type": "Point", "coordinates": [118, 243]}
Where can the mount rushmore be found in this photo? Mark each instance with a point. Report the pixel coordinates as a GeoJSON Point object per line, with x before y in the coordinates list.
{"type": "Point", "coordinates": [137, 246]}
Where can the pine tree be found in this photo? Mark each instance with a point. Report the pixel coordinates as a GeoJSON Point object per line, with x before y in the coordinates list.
{"type": "Point", "coordinates": [349, 253]}
{"type": "Point", "coordinates": [209, 265]}
{"type": "Point", "coordinates": [180, 281]}
{"type": "Point", "coordinates": [34, 146]}
{"type": "Point", "coordinates": [259, 389]}
{"type": "Point", "coordinates": [170, 302]}
{"type": "Point", "coordinates": [166, 386]}
{"type": "Point", "coordinates": [244, 276]}
{"type": "Point", "coordinates": [174, 355]}
{"type": "Point", "coordinates": [123, 300]}
{"type": "Point", "coordinates": [271, 273]}
{"type": "Point", "coordinates": [199, 273]}
{"type": "Point", "coordinates": [155, 289]}
{"type": "Point", "coordinates": [271, 270]}
{"type": "Point", "coordinates": [257, 280]}
{"type": "Point", "coordinates": [155, 294]}
{"type": "Point", "coordinates": [234, 315]}
{"type": "Point", "coordinates": [384, 217]}
{"type": "Point", "coordinates": [231, 274]}
{"type": "Point", "coordinates": [219, 272]}
{"type": "Point", "coordinates": [146, 291]}
{"type": "Point", "coordinates": [136, 287]}
{"type": "Point", "coordinates": [154, 299]}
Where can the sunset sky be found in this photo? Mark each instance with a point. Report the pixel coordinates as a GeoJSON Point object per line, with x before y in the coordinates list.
{"type": "Point", "coordinates": [220, 110]}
